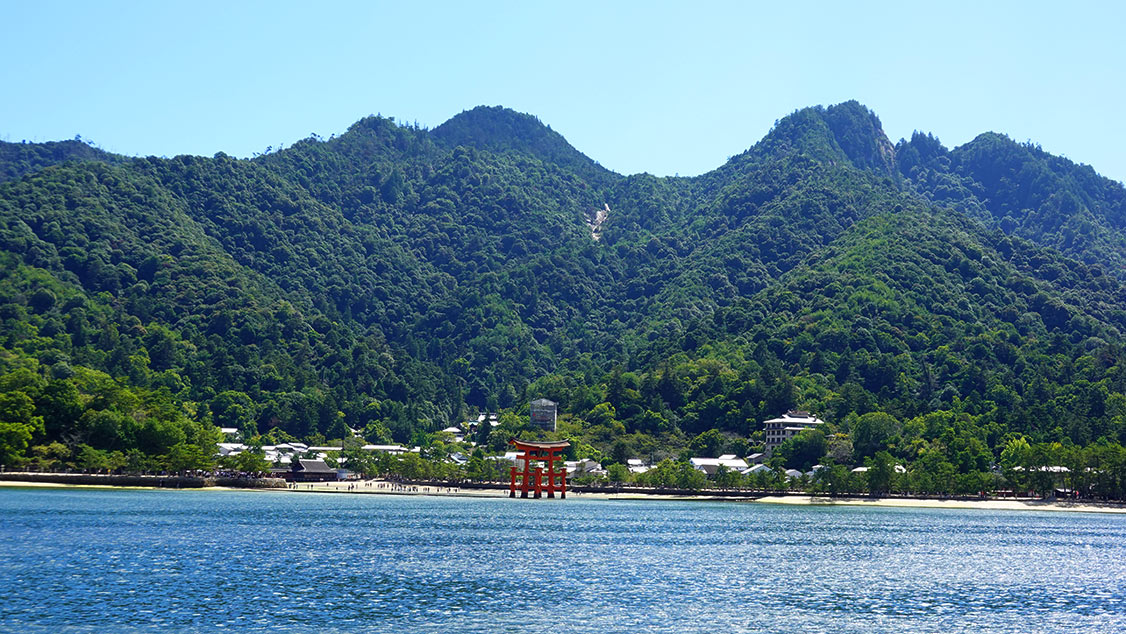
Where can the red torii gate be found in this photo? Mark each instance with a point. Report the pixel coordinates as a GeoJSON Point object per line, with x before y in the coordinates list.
{"type": "Point", "coordinates": [533, 480]}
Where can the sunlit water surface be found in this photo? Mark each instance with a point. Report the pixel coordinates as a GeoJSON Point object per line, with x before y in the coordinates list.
{"type": "Point", "coordinates": [82, 560]}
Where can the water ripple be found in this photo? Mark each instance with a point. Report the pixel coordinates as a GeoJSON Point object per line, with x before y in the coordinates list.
{"type": "Point", "coordinates": [85, 561]}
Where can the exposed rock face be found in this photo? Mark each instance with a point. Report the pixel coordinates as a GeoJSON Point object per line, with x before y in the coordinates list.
{"type": "Point", "coordinates": [594, 220]}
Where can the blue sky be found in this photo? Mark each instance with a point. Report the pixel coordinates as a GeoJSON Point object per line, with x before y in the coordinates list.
{"type": "Point", "coordinates": [658, 87]}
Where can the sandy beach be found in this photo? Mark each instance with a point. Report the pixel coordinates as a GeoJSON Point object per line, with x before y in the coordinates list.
{"type": "Point", "coordinates": [383, 487]}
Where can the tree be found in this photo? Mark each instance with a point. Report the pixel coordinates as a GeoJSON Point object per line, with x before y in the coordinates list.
{"type": "Point", "coordinates": [18, 407]}
{"type": "Point", "coordinates": [1044, 462]}
{"type": "Point", "coordinates": [651, 422]}
{"type": "Point", "coordinates": [933, 473]}
{"type": "Point", "coordinates": [277, 436]}
{"type": "Point", "coordinates": [881, 473]}
{"type": "Point", "coordinates": [620, 452]}
{"type": "Point", "coordinates": [61, 407]}
{"type": "Point", "coordinates": [1015, 461]}
{"type": "Point", "coordinates": [728, 478]}
{"type": "Point", "coordinates": [663, 475]}
{"type": "Point", "coordinates": [708, 444]}
{"type": "Point", "coordinates": [376, 432]}
{"type": "Point", "coordinates": [604, 422]}
{"type": "Point", "coordinates": [18, 424]}
{"type": "Point", "coordinates": [42, 300]}
{"type": "Point", "coordinates": [873, 432]}
{"type": "Point", "coordinates": [14, 439]}
{"type": "Point", "coordinates": [835, 479]}
{"type": "Point", "coordinates": [618, 473]}
{"type": "Point", "coordinates": [158, 436]}
{"type": "Point", "coordinates": [251, 462]}
{"type": "Point", "coordinates": [235, 409]}
{"type": "Point", "coordinates": [51, 456]}
{"type": "Point", "coordinates": [839, 448]}
{"type": "Point", "coordinates": [411, 466]}
{"type": "Point", "coordinates": [184, 457]}
{"type": "Point", "coordinates": [804, 450]}
{"type": "Point", "coordinates": [688, 477]}
{"type": "Point", "coordinates": [90, 459]}
{"type": "Point", "coordinates": [481, 469]}
{"type": "Point", "coordinates": [509, 425]}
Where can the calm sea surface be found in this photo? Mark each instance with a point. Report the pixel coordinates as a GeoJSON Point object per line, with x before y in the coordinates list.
{"type": "Point", "coordinates": [107, 561]}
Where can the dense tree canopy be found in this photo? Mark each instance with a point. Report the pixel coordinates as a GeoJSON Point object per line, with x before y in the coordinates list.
{"type": "Point", "coordinates": [934, 306]}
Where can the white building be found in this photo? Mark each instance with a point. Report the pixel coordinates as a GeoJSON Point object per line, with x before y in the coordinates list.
{"type": "Point", "coordinates": [710, 465]}
{"type": "Point", "coordinates": [391, 449]}
{"type": "Point", "coordinates": [636, 465]}
{"type": "Point", "coordinates": [586, 466]}
{"type": "Point", "coordinates": [455, 432]}
{"type": "Point", "coordinates": [758, 468]}
{"type": "Point", "coordinates": [231, 448]}
{"type": "Point", "coordinates": [779, 430]}
{"type": "Point", "coordinates": [509, 457]}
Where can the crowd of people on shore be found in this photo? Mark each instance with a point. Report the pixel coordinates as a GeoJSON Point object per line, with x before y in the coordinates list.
{"type": "Point", "coordinates": [375, 486]}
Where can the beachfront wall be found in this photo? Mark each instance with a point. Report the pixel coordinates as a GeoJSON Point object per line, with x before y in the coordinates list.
{"type": "Point", "coordinates": [157, 481]}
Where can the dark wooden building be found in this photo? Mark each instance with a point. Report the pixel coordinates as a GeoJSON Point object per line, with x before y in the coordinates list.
{"type": "Point", "coordinates": [305, 470]}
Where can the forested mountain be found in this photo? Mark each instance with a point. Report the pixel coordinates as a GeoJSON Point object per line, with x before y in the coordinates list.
{"type": "Point", "coordinates": [1024, 191]}
{"type": "Point", "coordinates": [393, 279]}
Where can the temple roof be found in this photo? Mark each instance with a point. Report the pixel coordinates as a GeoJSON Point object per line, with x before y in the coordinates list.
{"type": "Point", "coordinates": [522, 444]}
{"type": "Point", "coordinates": [312, 466]}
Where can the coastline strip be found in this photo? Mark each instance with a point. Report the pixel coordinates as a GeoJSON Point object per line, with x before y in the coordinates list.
{"type": "Point", "coordinates": [383, 487]}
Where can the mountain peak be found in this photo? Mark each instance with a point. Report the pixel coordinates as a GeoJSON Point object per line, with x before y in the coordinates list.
{"type": "Point", "coordinates": [847, 131]}
{"type": "Point", "coordinates": [495, 125]}
{"type": "Point", "coordinates": [499, 129]}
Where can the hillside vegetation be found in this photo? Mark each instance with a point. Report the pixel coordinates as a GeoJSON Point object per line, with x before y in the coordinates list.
{"type": "Point", "coordinates": [937, 307]}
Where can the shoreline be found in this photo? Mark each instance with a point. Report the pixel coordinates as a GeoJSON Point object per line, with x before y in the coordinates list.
{"type": "Point", "coordinates": [26, 484]}
{"type": "Point", "coordinates": [384, 487]}
{"type": "Point", "coordinates": [929, 503]}
{"type": "Point", "coordinates": [123, 480]}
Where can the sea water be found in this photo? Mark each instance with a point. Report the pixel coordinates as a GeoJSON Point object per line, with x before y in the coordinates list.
{"type": "Point", "coordinates": [123, 560]}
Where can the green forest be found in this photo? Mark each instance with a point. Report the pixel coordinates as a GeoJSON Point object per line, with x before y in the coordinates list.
{"type": "Point", "coordinates": [956, 316]}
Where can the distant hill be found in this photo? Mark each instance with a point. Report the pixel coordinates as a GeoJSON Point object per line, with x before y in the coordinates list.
{"type": "Point", "coordinates": [1026, 192]}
